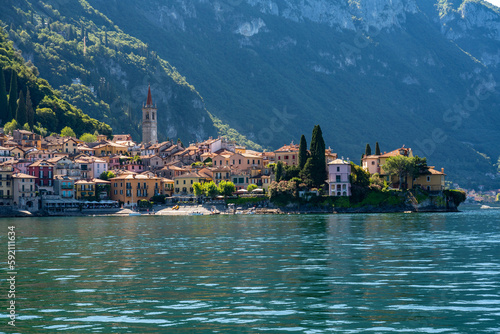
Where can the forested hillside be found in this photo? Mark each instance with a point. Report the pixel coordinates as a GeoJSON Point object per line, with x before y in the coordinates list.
{"type": "Point", "coordinates": [32, 102]}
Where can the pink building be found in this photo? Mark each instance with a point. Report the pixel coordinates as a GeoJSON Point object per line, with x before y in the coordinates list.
{"type": "Point", "coordinates": [339, 178]}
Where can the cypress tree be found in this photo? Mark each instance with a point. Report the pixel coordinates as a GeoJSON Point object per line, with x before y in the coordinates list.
{"type": "Point", "coordinates": [377, 149]}
{"type": "Point", "coordinates": [317, 148]}
{"type": "Point", "coordinates": [278, 171]}
{"type": "Point", "coordinates": [368, 150]}
{"type": "Point", "coordinates": [302, 152]}
{"type": "Point", "coordinates": [4, 104]}
{"type": "Point", "coordinates": [30, 112]}
{"type": "Point", "coordinates": [12, 97]}
{"type": "Point", "coordinates": [21, 110]}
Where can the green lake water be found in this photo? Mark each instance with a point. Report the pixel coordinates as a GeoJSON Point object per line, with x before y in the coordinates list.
{"type": "Point", "coordinates": [364, 273]}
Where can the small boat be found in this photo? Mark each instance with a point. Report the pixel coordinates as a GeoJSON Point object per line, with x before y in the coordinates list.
{"type": "Point", "coordinates": [134, 214]}
{"type": "Point", "coordinates": [484, 207]}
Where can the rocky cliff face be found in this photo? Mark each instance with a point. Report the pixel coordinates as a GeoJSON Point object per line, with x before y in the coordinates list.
{"type": "Point", "coordinates": [341, 14]}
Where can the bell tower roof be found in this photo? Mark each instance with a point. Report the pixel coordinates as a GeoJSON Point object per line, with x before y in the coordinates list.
{"type": "Point", "coordinates": [149, 101]}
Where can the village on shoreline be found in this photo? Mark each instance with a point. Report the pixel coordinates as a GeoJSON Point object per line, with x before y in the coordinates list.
{"type": "Point", "coordinates": [64, 175]}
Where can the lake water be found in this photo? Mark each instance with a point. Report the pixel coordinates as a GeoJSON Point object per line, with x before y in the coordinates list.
{"type": "Point", "coordinates": [375, 273]}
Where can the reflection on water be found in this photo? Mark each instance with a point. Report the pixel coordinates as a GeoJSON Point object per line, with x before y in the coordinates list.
{"type": "Point", "coordinates": [427, 273]}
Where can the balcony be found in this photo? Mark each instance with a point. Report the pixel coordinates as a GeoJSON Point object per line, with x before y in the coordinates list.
{"type": "Point", "coordinates": [67, 186]}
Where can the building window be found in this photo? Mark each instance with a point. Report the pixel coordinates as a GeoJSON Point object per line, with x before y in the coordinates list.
{"type": "Point", "coordinates": [147, 115]}
{"type": "Point", "coordinates": [428, 179]}
{"type": "Point", "coordinates": [153, 115]}
{"type": "Point", "coordinates": [337, 178]}
{"type": "Point", "coordinates": [373, 162]}
{"type": "Point", "coordinates": [338, 169]}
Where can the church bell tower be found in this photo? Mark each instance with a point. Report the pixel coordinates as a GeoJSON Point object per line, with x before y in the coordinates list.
{"type": "Point", "coordinates": [149, 121]}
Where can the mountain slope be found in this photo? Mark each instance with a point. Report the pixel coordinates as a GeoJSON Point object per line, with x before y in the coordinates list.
{"type": "Point", "coordinates": [366, 70]}
{"type": "Point", "coordinates": [52, 112]}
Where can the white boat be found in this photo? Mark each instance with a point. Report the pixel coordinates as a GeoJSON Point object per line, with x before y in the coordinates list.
{"type": "Point", "coordinates": [134, 214]}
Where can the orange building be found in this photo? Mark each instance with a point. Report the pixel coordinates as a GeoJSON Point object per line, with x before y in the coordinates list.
{"type": "Point", "coordinates": [130, 188]}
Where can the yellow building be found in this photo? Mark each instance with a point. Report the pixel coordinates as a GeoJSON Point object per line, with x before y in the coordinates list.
{"type": "Point", "coordinates": [6, 186]}
{"type": "Point", "coordinates": [130, 188]}
{"type": "Point", "coordinates": [84, 189]}
{"type": "Point", "coordinates": [184, 183]}
{"type": "Point", "coordinates": [167, 187]}
{"type": "Point", "coordinates": [109, 148]}
{"type": "Point", "coordinates": [434, 181]}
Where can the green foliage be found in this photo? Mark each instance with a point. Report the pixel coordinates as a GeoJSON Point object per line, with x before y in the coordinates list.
{"type": "Point", "coordinates": [368, 150]}
{"type": "Point", "coordinates": [377, 149]}
{"type": "Point", "coordinates": [251, 187]}
{"type": "Point", "coordinates": [12, 95]}
{"type": "Point", "coordinates": [400, 166]}
{"type": "Point", "coordinates": [30, 112]}
{"type": "Point", "coordinates": [302, 152]}
{"type": "Point", "coordinates": [281, 193]}
{"type": "Point", "coordinates": [4, 103]}
{"type": "Point", "coordinates": [458, 196]}
{"type": "Point", "coordinates": [88, 138]}
{"type": "Point", "coordinates": [359, 176]}
{"type": "Point", "coordinates": [51, 111]}
{"type": "Point", "coordinates": [10, 126]}
{"type": "Point", "coordinates": [382, 198]}
{"type": "Point", "coordinates": [198, 189]}
{"type": "Point", "coordinates": [21, 112]}
{"type": "Point", "coordinates": [211, 189]}
{"type": "Point", "coordinates": [244, 200]}
{"type": "Point", "coordinates": [278, 171]}
{"type": "Point", "coordinates": [67, 132]}
{"type": "Point", "coordinates": [144, 204]}
{"type": "Point", "coordinates": [376, 181]}
{"type": "Point", "coordinates": [226, 188]}
{"type": "Point", "coordinates": [107, 175]}
{"type": "Point", "coordinates": [158, 199]}
{"type": "Point", "coordinates": [290, 172]}
{"type": "Point", "coordinates": [316, 171]}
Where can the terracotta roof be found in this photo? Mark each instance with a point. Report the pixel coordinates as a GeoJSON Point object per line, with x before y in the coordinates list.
{"type": "Point", "coordinates": [288, 148]}
{"type": "Point", "coordinates": [40, 162]}
{"type": "Point", "coordinates": [436, 172]}
{"type": "Point", "coordinates": [396, 152]}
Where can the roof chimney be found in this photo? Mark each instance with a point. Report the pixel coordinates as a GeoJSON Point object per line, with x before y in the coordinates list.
{"type": "Point", "coordinates": [442, 170]}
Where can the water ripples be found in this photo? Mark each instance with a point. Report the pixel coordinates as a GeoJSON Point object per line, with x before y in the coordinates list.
{"type": "Point", "coordinates": [310, 274]}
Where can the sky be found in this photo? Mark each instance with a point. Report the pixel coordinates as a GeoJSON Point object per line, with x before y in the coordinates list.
{"type": "Point", "coordinates": [495, 2]}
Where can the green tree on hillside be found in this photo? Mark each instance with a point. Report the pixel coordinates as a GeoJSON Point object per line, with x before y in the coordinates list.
{"type": "Point", "coordinates": [21, 116]}
{"type": "Point", "coordinates": [12, 96]}
{"type": "Point", "coordinates": [88, 138]}
{"type": "Point", "coordinates": [10, 126]}
{"type": "Point", "coordinates": [67, 132]}
{"type": "Point", "coordinates": [377, 149]}
{"type": "Point", "coordinates": [30, 112]}
{"type": "Point", "coordinates": [368, 150]}
{"type": "Point", "coordinates": [278, 171]}
{"type": "Point", "coordinates": [302, 152]}
{"type": "Point", "coordinates": [315, 168]}
{"type": "Point", "coordinates": [4, 103]}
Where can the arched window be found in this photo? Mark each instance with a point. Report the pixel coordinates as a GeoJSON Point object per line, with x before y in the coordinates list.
{"type": "Point", "coordinates": [153, 115]}
{"type": "Point", "coordinates": [147, 115]}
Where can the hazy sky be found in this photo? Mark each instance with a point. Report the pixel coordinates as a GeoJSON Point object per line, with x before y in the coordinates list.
{"type": "Point", "coordinates": [495, 2]}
